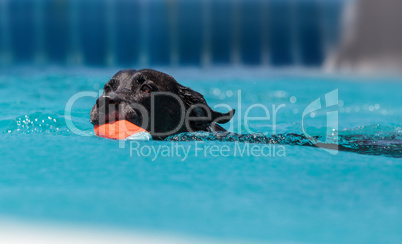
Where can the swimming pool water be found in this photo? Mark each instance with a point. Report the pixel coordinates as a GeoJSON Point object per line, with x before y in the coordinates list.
{"type": "Point", "coordinates": [304, 195]}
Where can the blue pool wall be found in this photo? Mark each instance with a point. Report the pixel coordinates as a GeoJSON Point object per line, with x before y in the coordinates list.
{"type": "Point", "coordinates": [168, 33]}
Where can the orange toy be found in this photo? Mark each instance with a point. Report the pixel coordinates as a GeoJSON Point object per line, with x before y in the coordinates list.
{"type": "Point", "coordinates": [119, 130]}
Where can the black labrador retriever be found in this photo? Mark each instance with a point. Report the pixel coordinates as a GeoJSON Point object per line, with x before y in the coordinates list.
{"type": "Point", "coordinates": [156, 102]}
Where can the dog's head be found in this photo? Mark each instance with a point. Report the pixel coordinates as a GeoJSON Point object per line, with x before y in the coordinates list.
{"type": "Point", "coordinates": [156, 102]}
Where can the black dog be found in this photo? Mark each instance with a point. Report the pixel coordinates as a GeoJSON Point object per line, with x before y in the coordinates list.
{"type": "Point", "coordinates": [156, 102]}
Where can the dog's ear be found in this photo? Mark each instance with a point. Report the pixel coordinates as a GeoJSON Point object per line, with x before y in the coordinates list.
{"type": "Point", "coordinates": [196, 102]}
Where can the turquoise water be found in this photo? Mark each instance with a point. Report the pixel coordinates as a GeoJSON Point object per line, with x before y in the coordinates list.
{"type": "Point", "coordinates": [302, 194]}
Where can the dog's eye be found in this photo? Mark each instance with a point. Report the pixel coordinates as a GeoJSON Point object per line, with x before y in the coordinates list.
{"type": "Point", "coordinates": [146, 89]}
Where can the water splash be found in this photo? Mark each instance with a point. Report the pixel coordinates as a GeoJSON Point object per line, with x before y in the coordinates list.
{"type": "Point", "coordinates": [37, 123]}
{"type": "Point", "coordinates": [45, 123]}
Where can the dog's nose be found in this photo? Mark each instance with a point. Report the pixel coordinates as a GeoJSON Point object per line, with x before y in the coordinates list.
{"type": "Point", "coordinates": [108, 100]}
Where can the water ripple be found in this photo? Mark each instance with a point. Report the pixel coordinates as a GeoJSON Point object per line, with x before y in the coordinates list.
{"type": "Point", "coordinates": [370, 140]}
{"type": "Point", "coordinates": [389, 145]}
